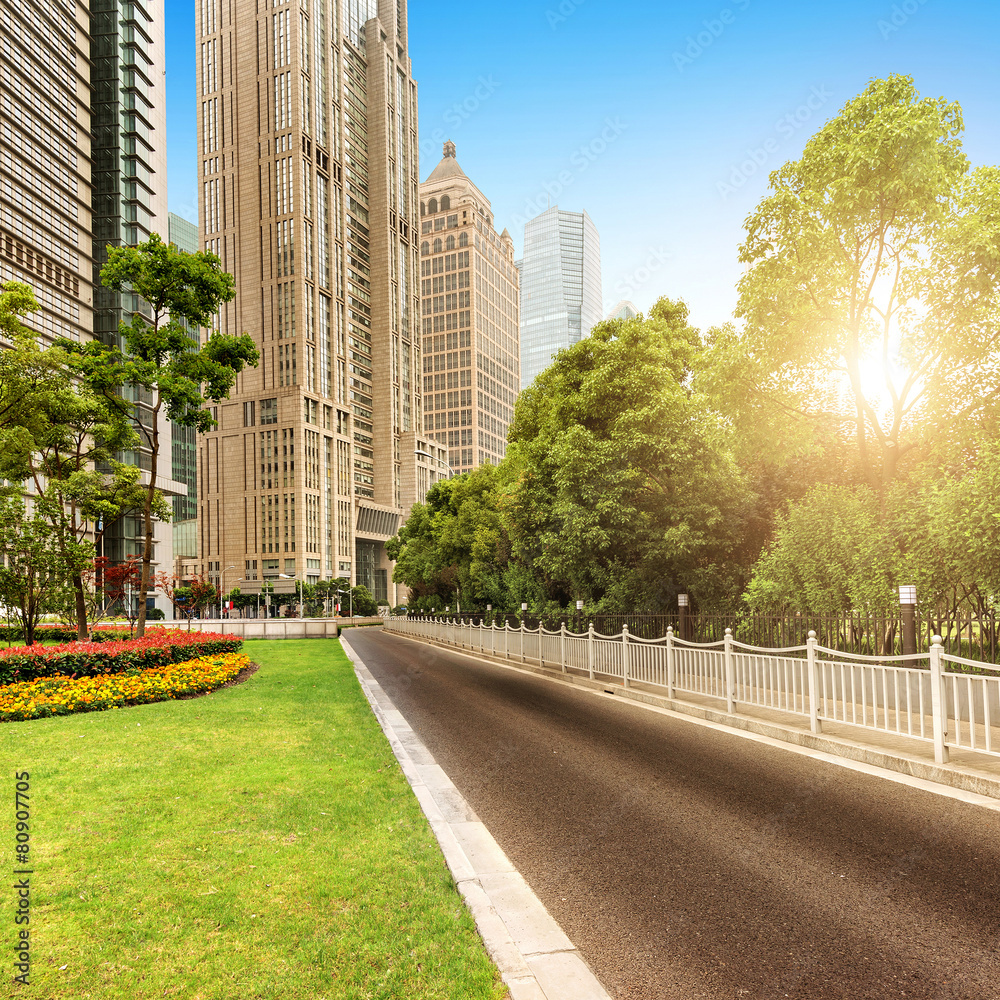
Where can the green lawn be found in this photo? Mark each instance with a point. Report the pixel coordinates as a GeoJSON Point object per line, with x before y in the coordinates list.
{"type": "Point", "coordinates": [257, 842]}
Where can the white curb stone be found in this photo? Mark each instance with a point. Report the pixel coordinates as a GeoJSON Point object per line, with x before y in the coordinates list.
{"type": "Point", "coordinates": [536, 959]}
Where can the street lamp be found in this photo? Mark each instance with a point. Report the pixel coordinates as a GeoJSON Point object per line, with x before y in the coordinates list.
{"type": "Point", "coordinates": [908, 607]}
{"type": "Point", "coordinates": [298, 589]}
{"type": "Point", "coordinates": [350, 592]}
{"type": "Point", "coordinates": [683, 602]}
{"type": "Point", "coordinates": [222, 586]}
{"type": "Point", "coordinates": [427, 454]}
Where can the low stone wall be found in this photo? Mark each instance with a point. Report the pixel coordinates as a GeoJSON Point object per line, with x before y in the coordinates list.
{"type": "Point", "coordinates": [276, 628]}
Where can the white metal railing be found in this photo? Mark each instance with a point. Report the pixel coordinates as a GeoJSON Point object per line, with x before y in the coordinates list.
{"type": "Point", "coordinates": [912, 695]}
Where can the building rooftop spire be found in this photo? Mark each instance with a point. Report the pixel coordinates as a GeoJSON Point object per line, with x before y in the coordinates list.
{"type": "Point", "coordinates": [449, 148]}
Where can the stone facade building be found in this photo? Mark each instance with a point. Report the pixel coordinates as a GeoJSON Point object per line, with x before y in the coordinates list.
{"type": "Point", "coordinates": [469, 296]}
{"type": "Point", "coordinates": [308, 172]}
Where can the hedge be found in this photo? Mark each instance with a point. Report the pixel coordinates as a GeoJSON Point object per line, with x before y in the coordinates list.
{"type": "Point", "coordinates": [114, 656]}
{"type": "Point", "coordinates": [64, 633]}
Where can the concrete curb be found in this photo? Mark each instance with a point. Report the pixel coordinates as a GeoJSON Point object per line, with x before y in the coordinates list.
{"type": "Point", "coordinates": [536, 959]}
{"type": "Point", "coordinates": [952, 775]}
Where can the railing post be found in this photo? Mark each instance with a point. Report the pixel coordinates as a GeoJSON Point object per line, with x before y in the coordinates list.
{"type": "Point", "coordinates": [493, 638]}
{"type": "Point", "coordinates": [730, 673]}
{"type": "Point", "coordinates": [590, 651]}
{"type": "Point", "coordinates": [939, 702]}
{"type": "Point", "coordinates": [562, 646]}
{"type": "Point", "coordinates": [624, 655]}
{"type": "Point", "coordinates": [670, 661]}
{"type": "Point", "coordinates": [815, 724]}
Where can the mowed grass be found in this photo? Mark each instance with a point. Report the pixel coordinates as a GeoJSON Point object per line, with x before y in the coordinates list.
{"type": "Point", "coordinates": [257, 842]}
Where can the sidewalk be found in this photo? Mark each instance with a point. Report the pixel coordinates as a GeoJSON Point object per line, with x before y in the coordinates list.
{"type": "Point", "coordinates": [967, 770]}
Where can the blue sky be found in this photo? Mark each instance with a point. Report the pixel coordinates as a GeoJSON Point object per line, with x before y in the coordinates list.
{"type": "Point", "coordinates": [662, 120]}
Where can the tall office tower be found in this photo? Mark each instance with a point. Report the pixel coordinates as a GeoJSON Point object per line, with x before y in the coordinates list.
{"type": "Point", "coordinates": [560, 286]}
{"type": "Point", "coordinates": [129, 204]}
{"type": "Point", "coordinates": [184, 440]}
{"type": "Point", "coordinates": [468, 285]}
{"type": "Point", "coordinates": [83, 165]}
{"type": "Point", "coordinates": [308, 170]}
{"type": "Point", "coordinates": [623, 310]}
{"type": "Point", "coordinates": [45, 171]}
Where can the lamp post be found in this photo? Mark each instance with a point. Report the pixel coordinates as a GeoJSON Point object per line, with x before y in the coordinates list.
{"type": "Point", "coordinates": [350, 592]}
{"type": "Point", "coordinates": [908, 609]}
{"type": "Point", "coordinates": [427, 454]}
{"type": "Point", "coordinates": [579, 616]}
{"type": "Point", "coordinates": [222, 586]}
{"type": "Point", "coordinates": [682, 604]}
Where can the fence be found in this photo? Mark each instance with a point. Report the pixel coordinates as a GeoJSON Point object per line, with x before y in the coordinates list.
{"type": "Point", "coordinates": [934, 696]}
{"type": "Point", "coordinates": [975, 636]}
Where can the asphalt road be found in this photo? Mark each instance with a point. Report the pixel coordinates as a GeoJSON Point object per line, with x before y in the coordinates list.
{"type": "Point", "coordinates": [684, 862]}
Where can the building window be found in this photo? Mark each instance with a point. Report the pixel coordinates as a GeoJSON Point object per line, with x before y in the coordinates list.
{"type": "Point", "coordinates": [269, 411]}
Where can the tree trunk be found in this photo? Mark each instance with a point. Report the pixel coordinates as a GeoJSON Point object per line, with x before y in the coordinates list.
{"type": "Point", "coordinates": [82, 631]}
{"type": "Point", "coordinates": [147, 551]}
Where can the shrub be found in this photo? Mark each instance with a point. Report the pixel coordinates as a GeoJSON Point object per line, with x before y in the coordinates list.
{"type": "Point", "coordinates": [88, 659]}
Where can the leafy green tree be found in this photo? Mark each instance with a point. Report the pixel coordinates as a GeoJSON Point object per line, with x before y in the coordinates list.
{"type": "Point", "coordinates": [871, 298]}
{"type": "Point", "coordinates": [32, 567]}
{"type": "Point", "coordinates": [364, 603]}
{"type": "Point", "coordinates": [160, 357]}
{"type": "Point", "coordinates": [832, 552]}
{"type": "Point", "coordinates": [623, 488]}
{"type": "Point", "coordinates": [453, 548]}
{"type": "Point", "coordinates": [64, 446]}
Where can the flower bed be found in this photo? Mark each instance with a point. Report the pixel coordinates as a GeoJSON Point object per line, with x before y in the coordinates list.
{"type": "Point", "coordinates": [47, 696]}
{"type": "Point", "coordinates": [88, 659]}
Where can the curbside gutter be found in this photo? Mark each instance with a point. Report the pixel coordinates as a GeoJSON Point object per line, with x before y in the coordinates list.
{"type": "Point", "coordinates": [535, 957]}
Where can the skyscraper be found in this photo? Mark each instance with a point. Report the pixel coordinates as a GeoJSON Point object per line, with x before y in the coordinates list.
{"type": "Point", "coordinates": [468, 285]}
{"type": "Point", "coordinates": [45, 165]}
{"type": "Point", "coordinates": [308, 193]}
{"type": "Point", "coordinates": [184, 440]}
{"type": "Point", "coordinates": [82, 166]}
{"type": "Point", "coordinates": [560, 286]}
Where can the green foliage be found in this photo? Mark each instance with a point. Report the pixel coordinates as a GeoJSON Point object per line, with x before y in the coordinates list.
{"type": "Point", "coordinates": [832, 552]}
{"type": "Point", "coordinates": [158, 355]}
{"type": "Point", "coordinates": [871, 297]}
{"type": "Point", "coordinates": [364, 603]}
{"type": "Point", "coordinates": [33, 570]}
{"type": "Point", "coordinates": [624, 490]}
{"type": "Point", "coordinates": [453, 547]}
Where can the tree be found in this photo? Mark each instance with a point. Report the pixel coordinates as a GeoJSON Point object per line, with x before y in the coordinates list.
{"type": "Point", "coordinates": [160, 357]}
{"type": "Point", "coordinates": [832, 552]}
{"type": "Point", "coordinates": [63, 445]}
{"type": "Point", "coordinates": [623, 490]}
{"type": "Point", "coordinates": [453, 548]}
{"type": "Point", "coordinates": [364, 603]}
{"type": "Point", "coordinates": [189, 601]}
{"type": "Point", "coordinates": [32, 571]}
{"type": "Point", "coordinates": [871, 299]}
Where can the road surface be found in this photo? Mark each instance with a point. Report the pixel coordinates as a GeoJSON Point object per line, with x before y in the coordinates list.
{"type": "Point", "coordinates": [684, 862]}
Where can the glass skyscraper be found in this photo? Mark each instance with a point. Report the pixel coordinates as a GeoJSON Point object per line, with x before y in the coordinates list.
{"type": "Point", "coordinates": [560, 286]}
